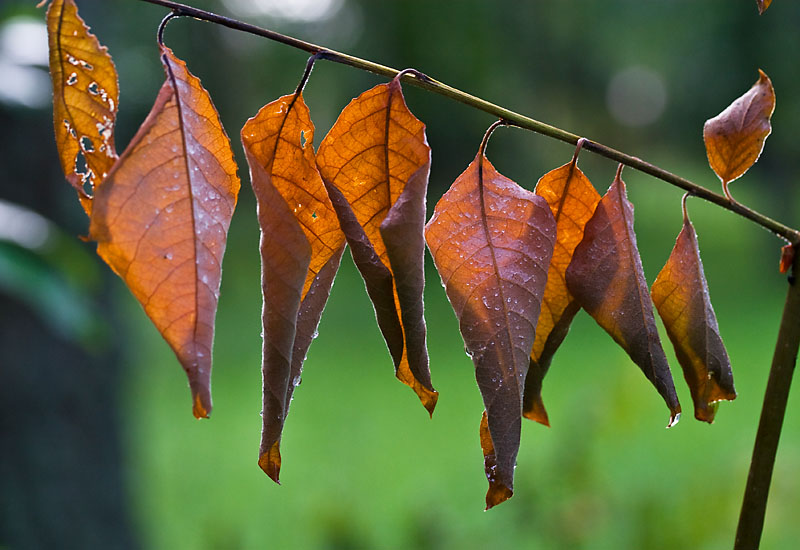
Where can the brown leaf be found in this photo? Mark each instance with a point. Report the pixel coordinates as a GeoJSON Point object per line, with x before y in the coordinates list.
{"type": "Point", "coordinates": [375, 163]}
{"type": "Point", "coordinates": [492, 242]}
{"type": "Point", "coordinates": [572, 199]}
{"type": "Point", "coordinates": [301, 247]}
{"type": "Point", "coordinates": [763, 5]}
{"type": "Point", "coordinates": [680, 294]}
{"type": "Point", "coordinates": [607, 279]}
{"type": "Point", "coordinates": [85, 99]}
{"type": "Point", "coordinates": [787, 257]}
{"type": "Point", "coordinates": [735, 137]}
{"type": "Point", "coordinates": [161, 219]}
{"type": "Point", "coordinates": [497, 492]}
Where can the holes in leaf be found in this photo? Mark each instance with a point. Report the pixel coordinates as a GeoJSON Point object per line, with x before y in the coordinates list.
{"type": "Point", "coordinates": [72, 79]}
{"type": "Point", "coordinates": [86, 144]}
{"type": "Point", "coordinates": [314, 215]}
{"type": "Point", "coordinates": [302, 139]}
{"type": "Point", "coordinates": [93, 88]}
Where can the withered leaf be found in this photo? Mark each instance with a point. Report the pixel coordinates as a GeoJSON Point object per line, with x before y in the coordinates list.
{"type": "Point", "coordinates": [735, 138]}
{"type": "Point", "coordinates": [301, 247]}
{"type": "Point", "coordinates": [85, 99]}
{"type": "Point", "coordinates": [763, 5]}
{"type": "Point", "coordinates": [680, 294]}
{"type": "Point", "coordinates": [573, 199]}
{"type": "Point", "coordinates": [375, 163]}
{"type": "Point", "coordinates": [492, 242]}
{"type": "Point", "coordinates": [607, 279]}
{"type": "Point", "coordinates": [161, 219]}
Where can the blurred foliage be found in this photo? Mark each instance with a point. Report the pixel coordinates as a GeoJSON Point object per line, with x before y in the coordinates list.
{"type": "Point", "coordinates": [363, 465]}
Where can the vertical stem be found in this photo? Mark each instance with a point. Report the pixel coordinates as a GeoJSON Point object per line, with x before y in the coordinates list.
{"type": "Point", "coordinates": [754, 505]}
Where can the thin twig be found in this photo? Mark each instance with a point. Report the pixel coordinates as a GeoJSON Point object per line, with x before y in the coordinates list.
{"type": "Point", "coordinates": [516, 119]}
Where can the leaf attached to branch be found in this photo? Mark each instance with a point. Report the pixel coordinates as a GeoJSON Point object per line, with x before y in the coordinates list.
{"type": "Point", "coordinates": [161, 219]}
{"type": "Point", "coordinates": [607, 279]}
{"type": "Point", "coordinates": [735, 137]}
{"type": "Point", "coordinates": [301, 247]}
{"type": "Point", "coordinates": [680, 294]}
{"type": "Point", "coordinates": [492, 242]}
{"type": "Point", "coordinates": [572, 199]}
{"type": "Point", "coordinates": [375, 163]}
{"type": "Point", "coordinates": [85, 99]}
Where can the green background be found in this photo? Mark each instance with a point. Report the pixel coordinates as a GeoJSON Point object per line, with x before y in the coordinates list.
{"type": "Point", "coordinates": [363, 465]}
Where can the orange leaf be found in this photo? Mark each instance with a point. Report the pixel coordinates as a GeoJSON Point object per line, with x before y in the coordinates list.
{"type": "Point", "coordinates": [85, 99]}
{"type": "Point", "coordinates": [492, 242]}
{"type": "Point", "coordinates": [497, 492]}
{"type": "Point", "coordinates": [375, 163]}
{"type": "Point", "coordinates": [301, 247]}
{"type": "Point", "coordinates": [681, 296]}
{"type": "Point", "coordinates": [735, 137]}
{"type": "Point", "coordinates": [161, 219]}
{"type": "Point", "coordinates": [607, 279]}
{"type": "Point", "coordinates": [572, 198]}
{"type": "Point", "coordinates": [763, 5]}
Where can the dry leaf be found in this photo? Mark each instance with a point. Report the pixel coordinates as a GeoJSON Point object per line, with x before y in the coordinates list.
{"type": "Point", "coordinates": [492, 242]}
{"type": "Point", "coordinates": [607, 279]}
{"type": "Point", "coordinates": [85, 99]}
{"type": "Point", "coordinates": [572, 199]}
{"type": "Point", "coordinates": [680, 294]}
{"type": "Point", "coordinates": [375, 163]}
{"type": "Point", "coordinates": [763, 5]}
{"type": "Point", "coordinates": [735, 137]}
{"type": "Point", "coordinates": [161, 219]}
{"type": "Point", "coordinates": [301, 247]}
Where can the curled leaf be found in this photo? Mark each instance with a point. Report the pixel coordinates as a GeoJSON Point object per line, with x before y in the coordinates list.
{"type": "Point", "coordinates": [763, 5]}
{"type": "Point", "coordinates": [85, 99]}
{"type": "Point", "coordinates": [735, 138]}
{"type": "Point", "coordinates": [301, 247]}
{"type": "Point", "coordinates": [572, 199]}
{"type": "Point", "coordinates": [607, 279]}
{"type": "Point", "coordinates": [492, 242]}
{"type": "Point", "coordinates": [680, 294]}
{"type": "Point", "coordinates": [161, 219]}
{"type": "Point", "coordinates": [375, 163]}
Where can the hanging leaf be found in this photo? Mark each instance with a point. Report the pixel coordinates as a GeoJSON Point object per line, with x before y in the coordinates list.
{"type": "Point", "coordinates": [492, 242]}
{"type": "Point", "coordinates": [161, 219]}
{"type": "Point", "coordinates": [301, 247]}
{"type": "Point", "coordinates": [572, 199]}
{"type": "Point", "coordinates": [607, 279]}
{"type": "Point", "coordinates": [680, 294]}
{"type": "Point", "coordinates": [85, 99]}
{"type": "Point", "coordinates": [763, 5]}
{"type": "Point", "coordinates": [375, 163]}
{"type": "Point", "coordinates": [735, 137]}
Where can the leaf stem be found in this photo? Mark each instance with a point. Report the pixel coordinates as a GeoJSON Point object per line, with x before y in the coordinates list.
{"type": "Point", "coordinates": [423, 81]}
{"type": "Point", "coordinates": [754, 505]}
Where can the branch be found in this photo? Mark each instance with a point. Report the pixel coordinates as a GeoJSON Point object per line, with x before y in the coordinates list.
{"type": "Point", "coordinates": [422, 81]}
{"type": "Point", "coordinates": [754, 505]}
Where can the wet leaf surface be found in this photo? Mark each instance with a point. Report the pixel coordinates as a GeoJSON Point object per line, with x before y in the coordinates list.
{"type": "Point", "coordinates": [301, 247]}
{"type": "Point", "coordinates": [607, 279]}
{"type": "Point", "coordinates": [492, 242]}
{"type": "Point", "coordinates": [735, 138]}
{"type": "Point", "coordinates": [161, 219]}
{"type": "Point", "coordinates": [375, 163]}
{"type": "Point", "coordinates": [680, 294]}
{"type": "Point", "coordinates": [572, 199]}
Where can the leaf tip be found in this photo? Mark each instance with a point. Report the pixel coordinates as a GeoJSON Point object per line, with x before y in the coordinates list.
{"type": "Point", "coordinates": [497, 494]}
{"type": "Point", "coordinates": [270, 463]}
{"type": "Point", "coordinates": [674, 417]}
{"type": "Point", "coordinates": [537, 412]}
{"type": "Point", "coordinates": [707, 413]}
{"type": "Point", "coordinates": [429, 400]}
{"type": "Point", "coordinates": [201, 402]}
{"type": "Point", "coordinates": [787, 258]}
